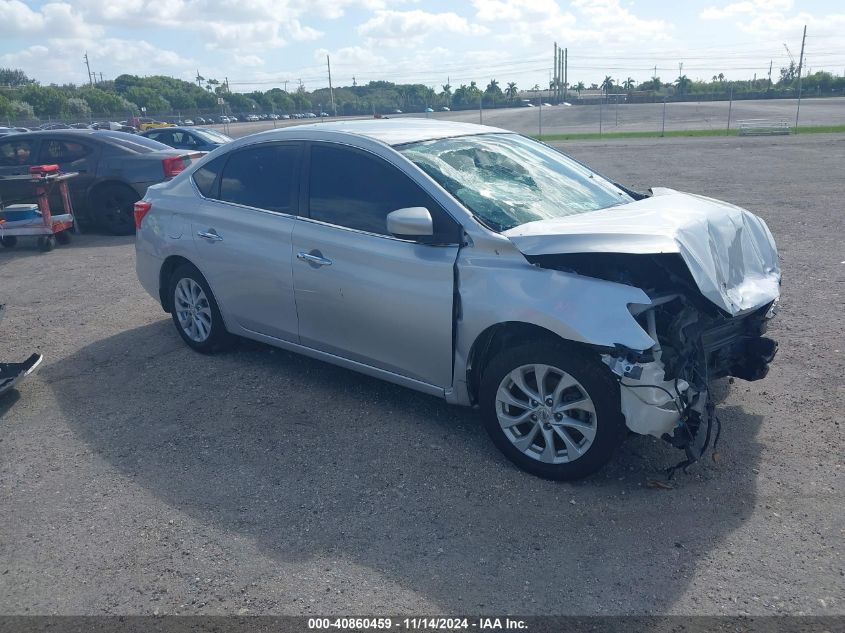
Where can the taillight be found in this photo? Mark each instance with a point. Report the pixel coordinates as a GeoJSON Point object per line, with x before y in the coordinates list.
{"type": "Point", "coordinates": [173, 166]}
{"type": "Point", "coordinates": [142, 207]}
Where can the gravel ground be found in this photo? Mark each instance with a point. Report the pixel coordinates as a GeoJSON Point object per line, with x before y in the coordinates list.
{"type": "Point", "coordinates": [139, 477]}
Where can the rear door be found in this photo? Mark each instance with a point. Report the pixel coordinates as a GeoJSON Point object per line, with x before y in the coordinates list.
{"type": "Point", "coordinates": [242, 234]}
{"type": "Point", "coordinates": [361, 293]}
{"type": "Point", "coordinates": [71, 154]}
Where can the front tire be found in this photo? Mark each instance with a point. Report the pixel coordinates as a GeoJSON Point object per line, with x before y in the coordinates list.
{"type": "Point", "coordinates": [552, 409]}
{"type": "Point", "coordinates": [195, 313]}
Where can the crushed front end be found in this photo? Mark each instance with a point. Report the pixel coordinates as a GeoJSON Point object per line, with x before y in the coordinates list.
{"type": "Point", "coordinates": [666, 390]}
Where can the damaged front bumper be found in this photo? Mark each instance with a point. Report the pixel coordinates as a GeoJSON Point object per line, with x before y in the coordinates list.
{"type": "Point", "coordinates": [666, 392]}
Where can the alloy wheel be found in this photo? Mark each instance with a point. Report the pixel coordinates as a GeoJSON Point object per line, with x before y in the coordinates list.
{"type": "Point", "coordinates": [546, 414]}
{"type": "Point", "coordinates": [192, 310]}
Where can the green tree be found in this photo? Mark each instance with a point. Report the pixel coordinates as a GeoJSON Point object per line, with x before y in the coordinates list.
{"type": "Point", "coordinates": [511, 91]}
{"type": "Point", "coordinates": [77, 108]}
{"type": "Point", "coordinates": [45, 100]}
{"type": "Point", "coordinates": [683, 84]}
{"type": "Point", "coordinates": [493, 92]}
{"type": "Point", "coordinates": [14, 78]}
{"type": "Point", "coordinates": [5, 108]}
{"type": "Point", "coordinates": [607, 84]}
{"type": "Point", "coordinates": [447, 93]}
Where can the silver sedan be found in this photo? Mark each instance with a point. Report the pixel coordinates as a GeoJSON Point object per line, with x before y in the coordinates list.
{"type": "Point", "coordinates": [472, 264]}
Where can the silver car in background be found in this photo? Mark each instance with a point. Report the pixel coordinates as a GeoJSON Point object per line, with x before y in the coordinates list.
{"type": "Point", "coordinates": [472, 264]}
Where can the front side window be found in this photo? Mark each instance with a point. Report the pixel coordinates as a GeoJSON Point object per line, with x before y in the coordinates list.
{"type": "Point", "coordinates": [263, 177]}
{"type": "Point", "coordinates": [351, 189]}
{"type": "Point", "coordinates": [507, 180]}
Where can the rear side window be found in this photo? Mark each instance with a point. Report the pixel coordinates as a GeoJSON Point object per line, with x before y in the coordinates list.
{"type": "Point", "coordinates": [263, 177]}
{"type": "Point", "coordinates": [63, 151]}
{"type": "Point", "coordinates": [352, 189]}
{"type": "Point", "coordinates": [205, 178]}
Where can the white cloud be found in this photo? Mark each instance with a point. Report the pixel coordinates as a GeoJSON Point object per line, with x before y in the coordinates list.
{"type": "Point", "coordinates": [620, 24]}
{"type": "Point", "coordinates": [19, 20]}
{"type": "Point", "coordinates": [250, 61]}
{"type": "Point", "coordinates": [772, 19]}
{"type": "Point", "coordinates": [351, 58]}
{"type": "Point", "coordinates": [410, 28]}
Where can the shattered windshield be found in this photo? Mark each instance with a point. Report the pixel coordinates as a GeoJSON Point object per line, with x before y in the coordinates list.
{"type": "Point", "coordinates": [506, 180]}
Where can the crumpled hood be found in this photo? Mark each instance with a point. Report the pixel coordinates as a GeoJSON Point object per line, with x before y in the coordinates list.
{"type": "Point", "coordinates": [729, 251]}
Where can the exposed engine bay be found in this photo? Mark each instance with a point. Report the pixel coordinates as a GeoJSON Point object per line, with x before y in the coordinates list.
{"type": "Point", "coordinates": [665, 390]}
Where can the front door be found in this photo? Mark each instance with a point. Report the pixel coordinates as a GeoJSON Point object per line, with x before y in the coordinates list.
{"type": "Point", "coordinates": [242, 235]}
{"type": "Point", "coordinates": [71, 154]}
{"type": "Point", "coordinates": [361, 293]}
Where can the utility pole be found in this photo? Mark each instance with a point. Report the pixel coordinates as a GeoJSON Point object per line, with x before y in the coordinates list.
{"type": "Point", "coordinates": [331, 90]}
{"type": "Point", "coordinates": [557, 72]}
{"type": "Point", "coordinates": [101, 77]}
{"type": "Point", "coordinates": [800, 66]}
{"type": "Point", "coordinates": [565, 71]}
{"type": "Point", "coordinates": [286, 85]}
{"type": "Point", "coordinates": [88, 66]}
{"type": "Point", "coordinates": [770, 74]}
{"type": "Point", "coordinates": [654, 85]}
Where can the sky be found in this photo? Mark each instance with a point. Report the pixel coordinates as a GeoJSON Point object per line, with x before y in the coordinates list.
{"type": "Point", "coordinates": [262, 44]}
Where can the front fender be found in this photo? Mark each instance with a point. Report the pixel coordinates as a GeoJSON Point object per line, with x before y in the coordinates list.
{"type": "Point", "coordinates": [499, 289]}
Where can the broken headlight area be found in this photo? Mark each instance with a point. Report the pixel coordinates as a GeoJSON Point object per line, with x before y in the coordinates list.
{"type": "Point", "coordinates": [665, 390]}
{"type": "Point", "coordinates": [669, 395]}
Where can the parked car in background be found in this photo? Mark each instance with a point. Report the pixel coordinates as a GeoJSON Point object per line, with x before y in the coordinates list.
{"type": "Point", "coordinates": [12, 130]}
{"type": "Point", "coordinates": [197, 138]}
{"type": "Point", "coordinates": [114, 170]}
{"type": "Point", "coordinates": [445, 109]}
{"type": "Point", "coordinates": [188, 122]}
{"type": "Point", "coordinates": [145, 123]}
{"type": "Point", "coordinates": [476, 265]}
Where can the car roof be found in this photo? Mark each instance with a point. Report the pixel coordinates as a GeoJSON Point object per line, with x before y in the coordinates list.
{"type": "Point", "coordinates": [390, 131]}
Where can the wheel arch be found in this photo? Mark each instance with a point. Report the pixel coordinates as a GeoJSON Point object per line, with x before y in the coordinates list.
{"type": "Point", "coordinates": [98, 186]}
{"type": "Point", "coordinates": [170, 264]}
{"type": "Point", "coordinates": [500, 335]}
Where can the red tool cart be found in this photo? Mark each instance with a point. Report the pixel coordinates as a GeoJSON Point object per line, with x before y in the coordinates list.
{"type": "Point", "coordinates": [38, 220]}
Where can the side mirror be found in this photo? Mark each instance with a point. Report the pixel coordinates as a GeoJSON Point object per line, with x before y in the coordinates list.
{"type": "Point", "coordinates": [410, 223]}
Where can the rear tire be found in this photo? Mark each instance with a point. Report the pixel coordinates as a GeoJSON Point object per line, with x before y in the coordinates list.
{"type": "Point", "coordinates": [114, 206]}
{"type": "Point", "coordinates": [569, 405]}
{"type": "Point", "coordinates": [195, 313]}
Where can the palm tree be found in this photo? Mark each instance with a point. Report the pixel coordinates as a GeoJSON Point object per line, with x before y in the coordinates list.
{"type": "Point", "coordinates": [493, 91]}
{"type": "Point", "coordinates": [683, 83]}
{"type": "Point", "coordinates": [199, 79]}
{"type": "Point", "coordinates": [629, 83]}
{"type": "Point", "coordinates": [447, 92]}
{"type": "Point", "coordinates": [579, 87]}
{"type": "Point", "coordinates": [511, 91]}
{"type": "Point", "coordinates": [721, 77]}
{"type": "Point", "coordinates": [607, 84]}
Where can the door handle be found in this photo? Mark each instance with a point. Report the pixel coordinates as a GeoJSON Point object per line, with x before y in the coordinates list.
{"type": "Point", "coordinates": [316, 260]}
{"type": "Point", "coordinates": [210, 235]}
